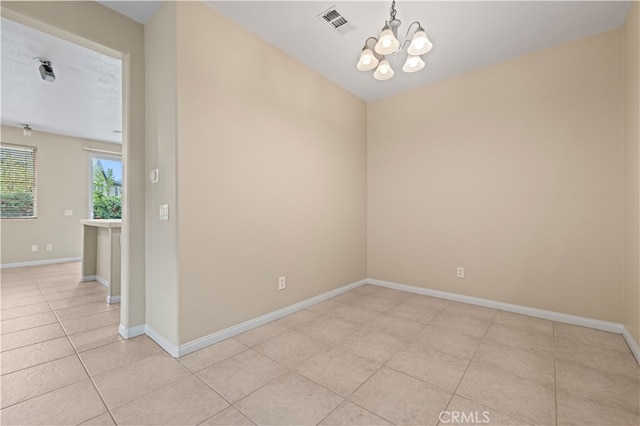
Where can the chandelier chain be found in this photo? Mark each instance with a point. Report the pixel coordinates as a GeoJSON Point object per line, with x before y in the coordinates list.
{"type": "Point", "coordinates": [393, 10]}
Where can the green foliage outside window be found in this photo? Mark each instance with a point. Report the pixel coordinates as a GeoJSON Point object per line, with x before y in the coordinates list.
{"type": "Point", "coordinates": [107, 202]}
{"type": "Point", "coordinates": [17, 182]}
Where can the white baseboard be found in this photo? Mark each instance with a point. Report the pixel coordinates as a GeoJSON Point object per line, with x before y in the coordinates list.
{"type": "Point", "coordinates": [39, 262]}
{"type": "Point", "coordinates": [88, 278]}
{"type": "Point", "coordinates": [633, 345]}
{"type": "Point", "coordinates": [194, 345]}
{"type": "Point", "coordinates": [113, 299]}
{"type": "Point", "coordinates": [203, 342]}
{"type": "Point", "coordinates": [128, 333]}
{"type": "Point", "coordinates": [519, 309]}
{"type": "Point", "coordinates": [172, 349]}
{"type": "Point", "coordinates": [102, 281]}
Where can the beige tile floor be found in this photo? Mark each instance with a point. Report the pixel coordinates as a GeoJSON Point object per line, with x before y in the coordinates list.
{"type": "Point", "coordinates": [372, 356]}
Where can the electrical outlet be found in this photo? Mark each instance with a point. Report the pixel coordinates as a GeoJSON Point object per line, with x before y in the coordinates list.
{"type": "Point", "coordinates": [460, 272]}
{"type": "Point", "coordinates": [49, 247]}
{"type": "Point", "coordinates": [282, 283]}
{"type": "Point", "coordinates": [34, 247]}
{"type": "Point", "coordinates": [68, 212]}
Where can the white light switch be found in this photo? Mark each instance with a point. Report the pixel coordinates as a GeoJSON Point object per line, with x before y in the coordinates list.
{"type": "Point", "coordinates": [68, 212]}
{"type": "Point", "coordinates": [164, 211]}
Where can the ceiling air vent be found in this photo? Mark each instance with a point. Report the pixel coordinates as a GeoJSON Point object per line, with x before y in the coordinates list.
{"type": "Point", "coordinates": [336, 21]}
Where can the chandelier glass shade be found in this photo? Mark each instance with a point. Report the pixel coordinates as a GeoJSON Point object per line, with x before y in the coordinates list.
{"type": "Point", "coordinates": [387, 44]}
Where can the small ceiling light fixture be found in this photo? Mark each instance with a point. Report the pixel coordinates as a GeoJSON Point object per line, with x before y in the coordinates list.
{"type": "Point", "coordinates": [26, 130]}
{"type": "Point", "coordinates": [388, 44]}
{"type": "Point", "coordinates": [46, 70]}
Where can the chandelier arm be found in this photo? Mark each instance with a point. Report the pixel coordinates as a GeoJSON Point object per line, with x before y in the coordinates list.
{"type": "Point", "coordinates": [409, 29]}
{"type": "Point", "coordinates": [403, 45]}
{"type": "Point", "coordinates": [373, 47]}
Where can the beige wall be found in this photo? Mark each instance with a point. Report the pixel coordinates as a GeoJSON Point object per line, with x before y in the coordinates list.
{"type": "Point", "coordinates": [271, 177]}
{"type": "Point", "coordinates": [514, 172]}
{"type": "Point", "coordinates": [162, 262]}
{"type": "Point", "coordinates": [95, 26]}
{"type": "Point", "coordinates": [63, 184]}
{"type": "Point", "coordinates": [632, 174]}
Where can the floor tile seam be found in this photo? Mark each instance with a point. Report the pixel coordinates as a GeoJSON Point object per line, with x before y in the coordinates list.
{"type": "Point", "coordinates": [625, 351]}
{"type": "Point", "coordinates": [278, 377]}
{"type": "Point", "coordinates": [550, 386]}
{"type": "Point", "coordinates": [96, 295]}
{"type": "Point", "coordinates": [40, 363]}
{"type": "Point", "coordinates": [414, 320]}
{"type": "Point", "coordinates": [29, 328]}
{"type": "Point", "coordinates": [283, 365]}
{"type": "Point", "coordinates": [95, 387]}
{"type": "Point", "coordinates": [433, 348]}
{"type": "Point", "coordinates": [14, 285]}
{"type": "Point", "coordinates": [84, 314]}
{"type": "Point", "coordinates": [32, 344]}
{"type": "Point", "coordinates": [537, 354]}
{"type": "Point", "coordinates": [358, 388]}
{"type": "Point", "coordinates": [527, 422]}
{"type": "Point", "coordinates": [3, 307]}
{"type": "Point", "coordinates": [613, 407]}
{"type": "Point", "coordinates": [392, 334]}
{"type": "Point", "coordinates": [93, 292]}
{"type": "Point", "coordinates": [462, 333]}
{"type": "Point", "coordinates": [418, 378]}
{"type": "Point", "coordinates": [344, 346]}
{"type": "Point", "coordinates": [466, 370]}
{"type": "Point", "coordinates": [215, 363]}
{"type": "Point", "coordinates": [629, 375]}
{"type": "Point", "coordinates": [52, 390]}
{"type": "Point", "coordinates": [489, 320]}
{"type": "Point", "coordinates": [431, 385]}
{"type": "Point", "coordinates": [27, 315]}
{"type": "Point", "coordinates": [87, 329]}
{"type": "Point", "coordinates": [166, 385]}
{"type": "Point", "coordinates": [331, 390]}
{"type": "Point", "coordinates": [607, 405]}
{"type": "Point", "coordinates": [92, 348]}
{"type": "Point", "coordinates": [122, 365]}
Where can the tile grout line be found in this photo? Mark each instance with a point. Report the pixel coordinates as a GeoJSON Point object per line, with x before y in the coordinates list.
{"type": "Point", "coordinates": [469, 365]}
{"type": "Point", "coordinates": [84, 367]}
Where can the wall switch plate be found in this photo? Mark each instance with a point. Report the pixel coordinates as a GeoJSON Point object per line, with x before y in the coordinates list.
{"type": "Point", "coordinates": [164, 211]}
{"type": "Point", "coordinates": [49, 247]}
{"type": "Point", "coordinates": [460, 272]}
{"type": "Point", "coordinates": [154, 175]}
{"type": "Point", "coordinates": [282, 283]}
{"type": "Point", "coordinates": [34, 247]}
{"type": "Point", "coordinates": [68, 212]}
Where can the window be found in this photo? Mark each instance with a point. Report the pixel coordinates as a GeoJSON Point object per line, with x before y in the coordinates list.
{"type": "Point", "coordinates": [18, 182]}
{"type": "Point", "coordinates": [106, 188]}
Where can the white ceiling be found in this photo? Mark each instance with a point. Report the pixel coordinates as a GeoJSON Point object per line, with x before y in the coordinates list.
{"type": "Point", "coordinates": [465, 35]}
{"type": "Point", "coordinates": [85, 99]}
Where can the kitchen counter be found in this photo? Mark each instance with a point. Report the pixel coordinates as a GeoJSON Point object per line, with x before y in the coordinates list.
{"type": "Point", "coordinates": [101, 248]}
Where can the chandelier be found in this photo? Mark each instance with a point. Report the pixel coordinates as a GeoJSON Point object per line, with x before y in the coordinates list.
{"type": "Point", "coordinates": [388, 44]}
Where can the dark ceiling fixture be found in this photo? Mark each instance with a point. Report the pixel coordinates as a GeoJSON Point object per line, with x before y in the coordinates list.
{"type": "Point", "coordinates": [46, 70]}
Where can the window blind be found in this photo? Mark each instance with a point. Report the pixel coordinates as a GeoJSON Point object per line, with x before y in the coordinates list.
{"type": "Point", "coordinates": [18, 182]}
